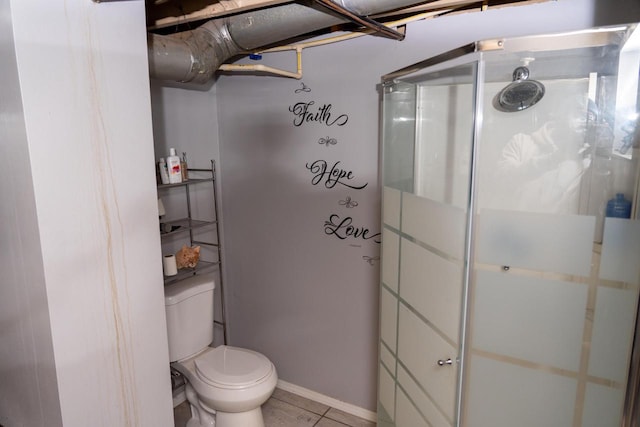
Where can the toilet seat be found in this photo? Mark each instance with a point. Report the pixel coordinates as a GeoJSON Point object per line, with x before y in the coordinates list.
{"type": "Point", "coordinates": [232, 367]}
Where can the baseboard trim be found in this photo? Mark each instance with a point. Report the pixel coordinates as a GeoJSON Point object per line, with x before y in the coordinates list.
{"type": "Point", "coordinates": [179, 396]}
{"type": "Point", "coordinates": [330, 401]}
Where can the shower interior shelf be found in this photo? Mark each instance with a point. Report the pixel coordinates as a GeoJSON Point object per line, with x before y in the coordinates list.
{"type": "Point", "coordinates": [190, 227]}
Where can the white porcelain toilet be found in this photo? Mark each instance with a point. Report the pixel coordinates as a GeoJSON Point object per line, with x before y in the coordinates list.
{"type": "Point", "coordinates": [225, 385]}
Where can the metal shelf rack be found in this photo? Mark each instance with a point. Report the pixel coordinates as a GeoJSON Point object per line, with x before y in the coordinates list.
{"type": "Point", "coordinates": [192, 226]}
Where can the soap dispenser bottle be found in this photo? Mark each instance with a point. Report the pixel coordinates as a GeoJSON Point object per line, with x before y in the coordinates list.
{"type": "Point", "coordinates": [173, 167]}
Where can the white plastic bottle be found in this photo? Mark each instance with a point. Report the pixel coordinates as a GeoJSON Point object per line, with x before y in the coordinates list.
{"type": "Point", "coordinates": [164, 174]}
{"type": "Point", "coordinates": [173, 167]}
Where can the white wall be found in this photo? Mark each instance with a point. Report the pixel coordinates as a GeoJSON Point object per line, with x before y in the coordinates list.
{"type": "Point", "coordinates": [83, 76]}
{"type": "Point", "coordinates": [306, 299]}
{"type": "Point", "coordinates": [28, 385]}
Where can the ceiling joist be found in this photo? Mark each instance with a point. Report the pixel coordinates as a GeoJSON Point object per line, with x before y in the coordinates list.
{"type": "Point", "coordinates": [178, 14]}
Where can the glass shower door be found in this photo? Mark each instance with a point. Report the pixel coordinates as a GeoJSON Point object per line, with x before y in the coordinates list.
{"type": "Point", "coordinates": [554, 289]}
{"type": "Point", "coordinates": [428, 132]}
{"type": "Point", "coordinates": [511, 235]}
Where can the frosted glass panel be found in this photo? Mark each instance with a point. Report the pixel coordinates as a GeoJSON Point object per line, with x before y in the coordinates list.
{"type": "Point", "coordinates": [613, 325]}
{"type": "Point", "coordinates": [387, 391]}
{"type": "Point", "coordinates": [557, 243]}
{"type": "Point", "coordinates": [431, 285]}
{"type": "Point", "coordinates": [388, 318]}
{"type": "Point", "coordinates": [419, 349]}
{"type": "Point", "coordinates": [521, 169]}
{"type": "Point", "coordinates": [427, 156]}
{"type": "Point", "coordinates": [443, 152]}
{"type": "Point", "coordinates": [603, 406]}
{"type": "Point", "coordinates": [621, 251]}
{"type": "Point", "coordinates": [436, 224]}
{"type": "Point", "coordinates": [391, 207]}
{"type": "Point", "coordinates": [504, 395]}
{"type": "Point", "coordinates": [390, 258]}
{"type": "Point", "coordinates": [422, 401]}
{"type": "Point", "coordinates": [408, 415]}
{"type": "Point", "coordinates": [388, 359]}
{"type": "Point", "coordinates": [528, 318]}
{"type": "Point", "coordinates": [399, 114]}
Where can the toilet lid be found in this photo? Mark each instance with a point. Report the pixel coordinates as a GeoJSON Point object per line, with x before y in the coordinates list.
{"type": "Point", "coordinates": [232, 366]}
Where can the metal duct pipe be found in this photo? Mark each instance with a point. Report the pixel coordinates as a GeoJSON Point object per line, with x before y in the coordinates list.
{"type": "Point", "coordinates": [194, 56]}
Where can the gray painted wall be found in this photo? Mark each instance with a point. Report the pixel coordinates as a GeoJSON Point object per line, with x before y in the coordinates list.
{"type": "Point", "coordinates": [305, 298]}
{"type": "Point", "coordinates": [187, 120]}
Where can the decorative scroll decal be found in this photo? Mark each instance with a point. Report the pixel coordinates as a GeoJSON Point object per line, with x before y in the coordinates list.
{"type": "Point", "coordinates": [327, 141]}
{"type": "Point", "coordinates": [348, 203]}
{"type": "Point", "coordinates": [371, 260]}
{"type": "Point", "coordinates": [342, 229]}
{"type": "Point", "coordinates": [304, 88]}
{"type": "Point", "coordinates": [304, 114]}
{"type": "Point", "coordinates": [332, 176]}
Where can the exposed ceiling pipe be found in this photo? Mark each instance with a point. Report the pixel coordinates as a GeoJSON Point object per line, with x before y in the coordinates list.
{"type": "Point", "coordinates": [362, 20]}
{"type": "Point", "coordinates": [194, 56]}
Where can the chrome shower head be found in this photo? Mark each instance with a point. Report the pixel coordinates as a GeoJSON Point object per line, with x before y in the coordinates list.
{"type": "Point", "coordinates": [520, 94]}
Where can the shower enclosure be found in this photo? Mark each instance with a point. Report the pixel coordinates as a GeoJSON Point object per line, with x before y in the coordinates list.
{"type": "Point", "coordinates": [511, 242]}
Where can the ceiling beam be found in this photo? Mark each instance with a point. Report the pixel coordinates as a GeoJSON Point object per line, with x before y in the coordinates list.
{"type": "Point", "coordinates": [174, 13]}
{"type": "Point", "coordinates": [179, 12]}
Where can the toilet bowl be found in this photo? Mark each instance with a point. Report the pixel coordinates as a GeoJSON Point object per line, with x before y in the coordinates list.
{"type": "Point", "coordinates": [231, 383]}
{"type": "Point", "coordinates": [225, 385]}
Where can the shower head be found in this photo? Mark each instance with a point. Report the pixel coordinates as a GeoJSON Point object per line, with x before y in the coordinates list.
{"type": "Point", "coordinates": [520, 94]}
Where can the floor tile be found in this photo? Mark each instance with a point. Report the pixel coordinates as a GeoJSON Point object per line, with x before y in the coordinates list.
{"type": "Point", "coordinates": [300, 402]}
{"type": "Point", "coordinates": [277, 413]}
{"type": "Point", "coordinates": [348, 419]}
{"type": "Point", "coordinates": [327, 422]}
{"type": "Point", "coordinates": [181, 414]}
{"type": "Point", "coordinates": [285, 409]}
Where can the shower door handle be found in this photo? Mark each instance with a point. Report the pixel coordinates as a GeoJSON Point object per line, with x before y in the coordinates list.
{"type": "Point", "coordinates": [445, 362]}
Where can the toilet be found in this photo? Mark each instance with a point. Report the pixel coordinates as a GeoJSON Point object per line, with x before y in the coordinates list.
{"type": "Point", "coordinates": [225, 385]}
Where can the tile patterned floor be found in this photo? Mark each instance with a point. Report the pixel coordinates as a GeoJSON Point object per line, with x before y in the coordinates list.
{"type": "Point", "coordinates": [285, 409]}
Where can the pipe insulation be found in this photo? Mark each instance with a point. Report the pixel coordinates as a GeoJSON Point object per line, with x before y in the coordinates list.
{"type": "Point", "coordinates": [194, 56]}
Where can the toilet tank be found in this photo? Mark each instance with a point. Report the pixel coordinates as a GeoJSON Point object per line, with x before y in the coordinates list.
{"type": "Point", "coordinates": [189, 308]}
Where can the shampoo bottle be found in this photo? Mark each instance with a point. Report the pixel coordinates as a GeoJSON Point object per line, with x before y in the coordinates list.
{"type": "Point", "coordinates": [619, 207]}
{"type": "Point", "coordinates": [164, 174]}
{"type": "Point", "coordinates": [173, 166]}
{"type": "Point", "coordinates": [184, 167]}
